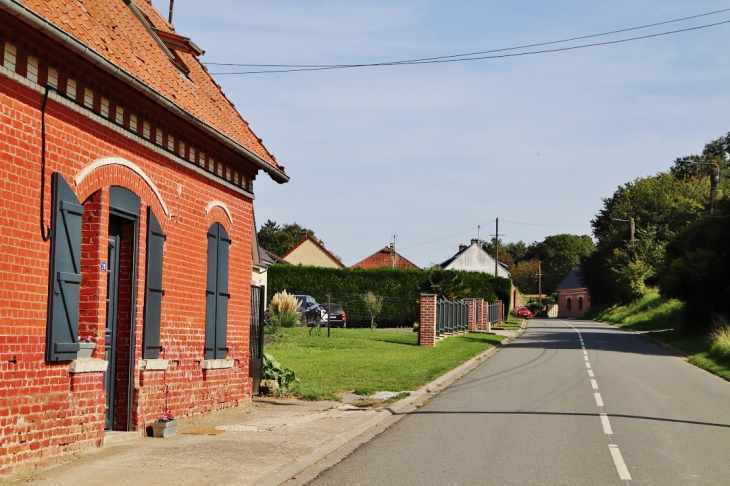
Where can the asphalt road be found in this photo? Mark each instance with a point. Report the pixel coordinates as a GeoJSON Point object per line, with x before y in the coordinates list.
{"type": "Point", "coordinates": [571, 402]}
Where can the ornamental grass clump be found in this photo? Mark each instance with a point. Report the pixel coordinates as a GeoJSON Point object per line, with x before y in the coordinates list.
{"type": "Point", "coordinates": [282, 312]}
{"type": "Point", "coordinates": [721, 338]}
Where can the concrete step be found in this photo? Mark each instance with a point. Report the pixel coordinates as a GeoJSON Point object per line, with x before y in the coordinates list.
{"type": "Point", "coordinates": [113, 437]}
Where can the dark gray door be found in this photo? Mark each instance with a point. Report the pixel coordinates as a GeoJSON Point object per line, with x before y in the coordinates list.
{"type": "Point", "coordinates": [256, 337]}
{"type": "Point", "coordinates": [112, 306]}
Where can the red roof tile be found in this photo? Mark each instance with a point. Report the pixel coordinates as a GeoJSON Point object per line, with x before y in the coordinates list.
{"type": "Point", "coordinates": [384, 258]}
{"type": "Point", "coordinates": [113, 30]}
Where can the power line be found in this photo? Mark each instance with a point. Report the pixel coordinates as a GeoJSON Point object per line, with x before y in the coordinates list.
{"type": "Point", "coordinates": [544, 224]}
{"type": "Point", "coordinates": [409, 61]}
{"type": "Point", "coordinates": [438, 61]}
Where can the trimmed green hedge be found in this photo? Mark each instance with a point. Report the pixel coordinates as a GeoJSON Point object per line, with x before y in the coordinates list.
{"type": "Point", "coordinates": [399, 287]}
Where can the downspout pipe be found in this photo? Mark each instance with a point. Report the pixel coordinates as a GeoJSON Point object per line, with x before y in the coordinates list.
{"type": "Point", "coordinates": [36, 21]}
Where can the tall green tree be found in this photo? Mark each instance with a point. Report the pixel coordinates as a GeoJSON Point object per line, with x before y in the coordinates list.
{"type": "Point", "coordinates": [280, 239]}
{"type": "Point", "coordinates": [661, 206]}
{"type": "Point", "coordinates": [559, 254]}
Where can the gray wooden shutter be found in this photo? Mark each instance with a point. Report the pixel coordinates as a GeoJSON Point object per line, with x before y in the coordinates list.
{"type": "Point", "coordinates": [153, 288]}
{"type": "Point", "coordinates": [210, 292]}
{"type": "Point", "coordinates": [216, 293]}
{"type": "Point", "coordinates": [224, 244]}
{"type": "Point", "coordinates": [62, 340]}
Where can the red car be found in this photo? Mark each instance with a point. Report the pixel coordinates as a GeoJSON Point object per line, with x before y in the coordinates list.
{"type": "Point", "coordinates": [523, 312]}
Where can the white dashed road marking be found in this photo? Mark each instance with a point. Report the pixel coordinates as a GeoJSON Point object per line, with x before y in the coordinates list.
{"type": "Point", "coordinates": [599, 400]}
{"type": "Point", "coordinates": [618, 460]}
{"type": "Point", "coordinates": [588, 365]}
{"type": "Point", "coordinates": [594, 384]}
{"type": "Point", "coordinates": [606, 424]}
{"type": "Point", "coordinates": [590, 373]}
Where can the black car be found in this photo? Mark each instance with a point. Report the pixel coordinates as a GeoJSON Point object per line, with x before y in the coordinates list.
{"type": "Point", "coordinates": [312, 313]}
{"type": "Point", "coordinates": [338, 318]}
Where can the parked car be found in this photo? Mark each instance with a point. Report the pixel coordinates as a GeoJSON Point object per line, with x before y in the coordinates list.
{"type": "Point", "coordinates": [523, 312]}
{"type": "Point", "coordinates": [312, 313]}
{"type": "Point", "coordinates": [337, 315]}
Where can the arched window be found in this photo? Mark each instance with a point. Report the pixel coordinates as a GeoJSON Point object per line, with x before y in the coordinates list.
{"type": "Point", "coordinates": [216, 293]}
{"type": "Point", "coordinates": [580, 303]}
{"type": "Point", "coordinates": [569, 303]}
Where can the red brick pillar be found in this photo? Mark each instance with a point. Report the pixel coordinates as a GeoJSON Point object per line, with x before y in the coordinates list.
{"type": "Point", "coordinates": [499, 312]}
{"type": "Point", "coordinates": [472, 314]}
{"type": "Point", "coordinates": [427, 322]}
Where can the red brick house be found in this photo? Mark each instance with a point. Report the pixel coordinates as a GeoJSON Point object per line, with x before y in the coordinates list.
{"type": "Point", "coordinates": [573, 297]}
{"type": "Point", "coordinates": [387, 257]}
{"type": "Point", "coordinates": [126, 195]}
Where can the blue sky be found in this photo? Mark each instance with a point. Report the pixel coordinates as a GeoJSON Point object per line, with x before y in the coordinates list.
{"type": "Point", "coordinates": [429, 151]}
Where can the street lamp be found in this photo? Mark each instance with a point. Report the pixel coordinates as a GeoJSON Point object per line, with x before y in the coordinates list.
{"type": "Point", "coordinates": [630, 221]}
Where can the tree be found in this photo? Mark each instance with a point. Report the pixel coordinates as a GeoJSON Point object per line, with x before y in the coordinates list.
{"type": "Point", "coordinates": [524, 276]}
{"type": "Point", "coordinates": [661, 206]}
{"type": "Point", "coordinates": [559, 254]}
{"type": "Point", "coordinates": [696, 269]}
{"type": "Point", "coordinates": [373, 306]}
{"type": "Point", "coordinates": [279, 240]}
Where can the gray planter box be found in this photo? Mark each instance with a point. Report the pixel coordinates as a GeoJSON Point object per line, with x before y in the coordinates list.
{"type": "Point", "coordinates": [164, 429]}
{"type": "Point", "coordinates": [85, 350]}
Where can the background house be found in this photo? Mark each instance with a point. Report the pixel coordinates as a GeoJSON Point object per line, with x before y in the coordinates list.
{"type": "Point", "coordinates": [473, 258]}
{"type": "Point", "coordinates": [310, 252]}
{"type": "Point", "coordinates": [573, 297]}
{"type": "Point", "coordinates": [123, 161]}
{"type": "Point", "coordinates": [387, 257]}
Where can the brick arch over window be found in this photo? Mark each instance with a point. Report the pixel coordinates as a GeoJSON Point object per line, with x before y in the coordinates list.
{"type": "Point", "coordinates": [218, 212]}
{"type": "Point", "coordinates": [104, 172]}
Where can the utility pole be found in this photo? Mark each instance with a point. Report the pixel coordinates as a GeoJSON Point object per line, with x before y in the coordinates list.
{"type": "Point", "coordinates": [539, 283]}
{"type": "Point", "coordinates": [392, 250]}
{"type": "Point", "coordinates": [632, 225]}
{"type": "Point", "coordinates": [714, 180]}
{"type": "Point", "coordinates": [496, 250]}
{"type": "Point", "coordinates": [172, 4]}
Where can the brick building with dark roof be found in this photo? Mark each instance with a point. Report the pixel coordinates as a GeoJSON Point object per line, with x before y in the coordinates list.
{"type": "Point", "coordinates": [126, 189]}
{"type": "Point", "coordinates": [574, 300]}
{"type": "Point", "coordinates": [387, 257]}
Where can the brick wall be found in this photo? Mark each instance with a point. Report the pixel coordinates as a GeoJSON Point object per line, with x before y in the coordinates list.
{"type": "Point", "coordinates": [575, 296]}
{"type": "Point", "coordinates": [48, 410]}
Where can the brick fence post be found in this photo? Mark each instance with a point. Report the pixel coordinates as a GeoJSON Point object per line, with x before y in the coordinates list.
{"type": "Point", "coordinates": [499, 312]}
{"type": "Point", "coordinates": [472, 322]}
{"type": "Point", "coordinates": [427, 321]}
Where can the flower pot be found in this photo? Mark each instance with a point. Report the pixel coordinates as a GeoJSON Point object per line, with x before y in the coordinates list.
{"type": "Point", "coordinates": [85, 350]}
{"type": "Point", "coordinates": [164, 429]}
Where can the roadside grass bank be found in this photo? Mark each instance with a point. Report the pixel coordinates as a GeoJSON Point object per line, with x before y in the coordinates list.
{"type": "Point", "coordinates": [663, 320]}
{"type": "Point", "coordinates": [512, 323]}
{"type": "Point", "coordinates": [361, 359]}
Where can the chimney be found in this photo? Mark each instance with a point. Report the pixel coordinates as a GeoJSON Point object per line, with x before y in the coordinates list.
{"type": "Point", "coordinates": [302, 235]}
{"type": "Point", "coordinates": [462, 247]}
{"type": "Point", "coordinates": [474, 240]}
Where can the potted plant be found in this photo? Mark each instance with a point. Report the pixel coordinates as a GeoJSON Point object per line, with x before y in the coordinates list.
{"type": "Point", "coordinates": [86, 345]}
{"type": "Point", "coordinates": [165, 426]}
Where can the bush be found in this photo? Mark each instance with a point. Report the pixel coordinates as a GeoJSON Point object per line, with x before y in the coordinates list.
{"type": "Point", "coordinates": [282, 312]}
{"type": "Point", "coordinates": [398, 287]}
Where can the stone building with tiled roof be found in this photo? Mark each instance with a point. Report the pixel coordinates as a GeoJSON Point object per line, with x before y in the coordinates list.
{"type": "Point", "coordinates": [310, 252]}
{"type": "Point", "coordinates": [387, 257]}
{"type": "Point", "coordinates": [126, 189]}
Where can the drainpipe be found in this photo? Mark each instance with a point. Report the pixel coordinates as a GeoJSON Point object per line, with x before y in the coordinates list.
{"type": "Point", "coordinates": [39, 23]}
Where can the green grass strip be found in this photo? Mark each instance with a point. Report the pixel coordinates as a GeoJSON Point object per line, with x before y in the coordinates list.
{"type": "Point", "coordinates": [361, 359]}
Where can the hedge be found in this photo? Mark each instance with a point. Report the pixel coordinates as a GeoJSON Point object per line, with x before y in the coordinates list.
{"type": "Point", "coordinates": [398, 287]}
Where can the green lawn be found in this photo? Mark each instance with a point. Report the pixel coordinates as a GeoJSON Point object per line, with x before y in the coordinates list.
{"type": "Point", "coordinates": [664, 318]}
{"type": "Point", "coordinates": [361, 359]}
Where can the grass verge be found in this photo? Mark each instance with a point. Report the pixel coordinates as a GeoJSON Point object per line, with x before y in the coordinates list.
{"type": "Point", "coordinates": [361, 359]}
{"type": "Point", "coordinates": [663, 320]}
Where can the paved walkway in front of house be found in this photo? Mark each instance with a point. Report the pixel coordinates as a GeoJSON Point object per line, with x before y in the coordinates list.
{"type": "Point", "coordinates": [268, 442]}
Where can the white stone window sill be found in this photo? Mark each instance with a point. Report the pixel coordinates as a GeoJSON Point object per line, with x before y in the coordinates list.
{"type": "Point", "coordinates": [153, 364]}
{"type": "Point", "coordinates": [88, 365]}
{"type": "Point", "coordinates": [216, 364]}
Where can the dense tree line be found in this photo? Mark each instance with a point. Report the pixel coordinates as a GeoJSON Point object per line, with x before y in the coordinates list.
{"type": "Point", "coordinates": [677, 244]}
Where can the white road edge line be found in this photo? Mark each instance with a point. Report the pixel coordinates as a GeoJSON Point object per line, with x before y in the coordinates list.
{"type": "Point", "coordinates": [594, 384]}
{"type": "Point", "coordinates": [606, 424]}
{"type": "Point", "coordinates": [590, 373]}
{"type": "Point", "coordinates": [623, 471]}
{"type": "Point", "coordinates": [599, 400]}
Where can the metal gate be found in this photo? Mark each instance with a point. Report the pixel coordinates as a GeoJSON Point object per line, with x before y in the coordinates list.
{"type": "Point", "coordinates": [256, 337]}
